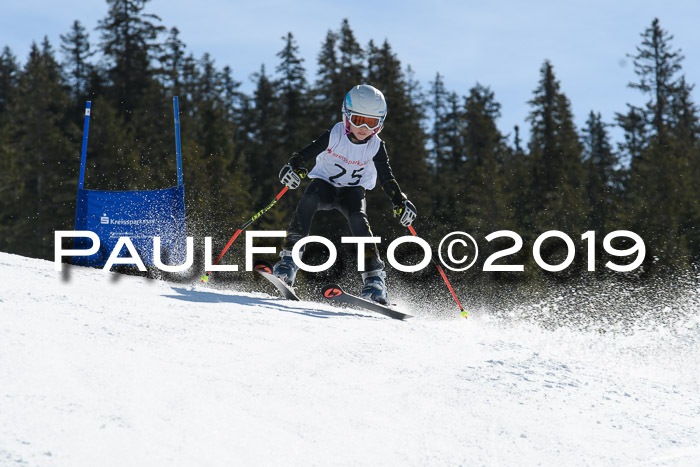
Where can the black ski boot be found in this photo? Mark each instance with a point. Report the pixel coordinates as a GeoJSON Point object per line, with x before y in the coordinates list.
{"type": "Point", "coordinates": [286, 269]}
{"type": "Point", "coordinates": [375, 286]}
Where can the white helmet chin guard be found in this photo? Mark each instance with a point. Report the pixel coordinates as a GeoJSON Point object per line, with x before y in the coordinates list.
{"type": "Point", "coordinates": [364, 104]}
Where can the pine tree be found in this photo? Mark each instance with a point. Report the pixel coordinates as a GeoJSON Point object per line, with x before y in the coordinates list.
{"type": "Point", "coordinates": [518, 180]}
{"type": "Point", "coordinates": [438, 110]}
{"type": "Point", "coordinates": [660, 192]}
{"type": "Point", "coordinates": [129, 45]}
{"type": "Point", "coordinates": [603, 179]}
{"type": "Point", "coordinates": [555, 161]}
{"type": "Point", "coordinates": [232, 97]}
{"type": "Point", "coordinates": [404, 136]}
{"type": "Point", "coordinates": [656, 64]}
{"type": "Point", "coordinates": [130, 49]}
{"type": "Point", "coordinates": [9, 79]}
{"type": "Point", "coordinates": [171, 62]}
{"type": "Point", "coordinates": [262, 142]}
{"type": "Point", "coordinates": [483, 201]}
{"type": "Point", "coordinates": [293, 97]}
{"type": "Point", "coordinates": [216, 157]}
{"type": "Point", "coordinates": [454, 129]}
{"type": "Point", "coordinates": [446, 148]}
{"type": "Point", "coordinates": [327, 92]}
{"type": "Point", "coordinates": [633, 123]}
{"type": "Point", "coordinates": [685, 131]}
{"type": "Point", "coordinates": [12, 176]}
{"type": "Point", "coordinates": [40, 198]}
{"type": "Point", "coordinates": [189, 84]}
{"type": "Point", "coordinates": [352, 68]}
{"type": "Point", "coordinates": [76, 51]}
{"type": "Point", "coordinates": [340, 67]}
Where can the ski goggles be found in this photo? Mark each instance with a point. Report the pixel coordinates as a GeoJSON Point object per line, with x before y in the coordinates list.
{"type": "Point", "coordinates": [371, 123]}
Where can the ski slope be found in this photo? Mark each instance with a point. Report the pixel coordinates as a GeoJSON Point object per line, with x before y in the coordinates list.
{"type": "Point", "coordinates": [103, 369]}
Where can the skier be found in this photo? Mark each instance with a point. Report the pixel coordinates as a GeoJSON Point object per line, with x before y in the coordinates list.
{"type": "Point", "coordinates": [349, 158]}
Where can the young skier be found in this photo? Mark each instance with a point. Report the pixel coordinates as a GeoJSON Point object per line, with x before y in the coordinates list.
{"type": "Point", "coordinates": [349, 158]}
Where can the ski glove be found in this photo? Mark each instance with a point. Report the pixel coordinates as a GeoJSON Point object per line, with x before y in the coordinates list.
{"type": "Point", "coordinates": [291, 177]}
{"type": "Point", "coordinates": [406, 212]}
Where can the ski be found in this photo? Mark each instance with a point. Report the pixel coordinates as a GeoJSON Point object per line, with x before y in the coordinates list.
{"type": "Point", "coordinates": [333, 292]}
{"type": "Point", "coordinates": [265, 269]}
{"type": "Point", "coordinates": [336, 293]}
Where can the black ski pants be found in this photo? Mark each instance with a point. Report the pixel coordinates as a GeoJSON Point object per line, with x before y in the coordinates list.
{"type": "Point", "coordinates": [350, 201]}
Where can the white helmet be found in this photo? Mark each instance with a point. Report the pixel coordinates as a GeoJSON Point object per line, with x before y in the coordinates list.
{"type": "Point", "coordinates": [364, 105]}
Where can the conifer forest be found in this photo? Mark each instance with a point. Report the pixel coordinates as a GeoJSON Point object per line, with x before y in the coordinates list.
{"type": "Point", "coordinates": [447, 152]}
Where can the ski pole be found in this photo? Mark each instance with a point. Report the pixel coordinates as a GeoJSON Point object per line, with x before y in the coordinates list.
{"type": "Point", "coordinates": [462, 311]}
{"type": "Point", "coordinates": [205, 277]}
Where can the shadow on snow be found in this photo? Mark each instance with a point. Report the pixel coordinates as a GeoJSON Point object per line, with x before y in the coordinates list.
{"type": "Point", "coordinates": [278, 304]}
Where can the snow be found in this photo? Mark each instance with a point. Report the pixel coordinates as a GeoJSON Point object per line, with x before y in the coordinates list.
{"type": "Point", "coordinates": [98, 368]}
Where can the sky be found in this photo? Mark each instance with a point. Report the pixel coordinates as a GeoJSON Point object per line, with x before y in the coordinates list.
{"type": "Point", "coordinates": [501, 43]}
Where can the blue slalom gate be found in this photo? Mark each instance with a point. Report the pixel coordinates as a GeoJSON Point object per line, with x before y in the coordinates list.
{"type": "Point", "coordinates": [139, 215]}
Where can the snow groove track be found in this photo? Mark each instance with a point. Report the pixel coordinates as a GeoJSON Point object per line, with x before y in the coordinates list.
{"type": "Point", "coordinates": [102, 369]}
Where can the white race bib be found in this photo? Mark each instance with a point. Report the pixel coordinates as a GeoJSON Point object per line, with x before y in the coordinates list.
{"type": "Point", "coordinates": [344, 163]}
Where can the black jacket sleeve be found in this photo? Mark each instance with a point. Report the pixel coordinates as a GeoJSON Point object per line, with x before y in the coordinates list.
{"type": "Point", "coordinates": [300, 158]}
{"type": "Point", "coordinates": [386, 176]}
